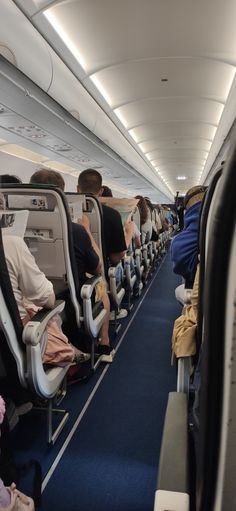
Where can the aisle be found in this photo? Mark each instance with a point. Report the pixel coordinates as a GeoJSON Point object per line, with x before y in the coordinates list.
{"type": "Point", "coordinates": [110, 464]}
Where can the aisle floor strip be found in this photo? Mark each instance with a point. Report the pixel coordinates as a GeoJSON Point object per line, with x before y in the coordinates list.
{"type": "Point", "coordinates": [91, 396]}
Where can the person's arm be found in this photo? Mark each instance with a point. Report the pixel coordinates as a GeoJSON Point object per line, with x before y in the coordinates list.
{"type": "Point", "coordinates": [116, 257]}
{"type": "Point", "coordinates": [50, 301]}
{"type": "Point", "coordinates": [32, 282]}
{"type": "Point", "coordinates": [128, 231]}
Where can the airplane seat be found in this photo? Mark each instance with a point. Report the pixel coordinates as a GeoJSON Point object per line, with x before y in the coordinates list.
{"type": "Point", "coordinates": [116, 287]}
{"type": "Point", "coordinates": [21, 349]}
{"type": "Point", "coordinates": [186, 366]}
{"type": "Point", "coordinates": [183, 295]}
{"type": "Point", "coordinates": [173, 490]}
{"type": "Point", "coordinates": [49, 237]}
{"type": "Point", "coordinates": [138, 257]}
{"type": "Point", "coordinates": [126, 208]}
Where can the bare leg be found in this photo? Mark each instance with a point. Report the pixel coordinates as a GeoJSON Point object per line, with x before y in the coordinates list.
{"type": "Point", "coordinates": [104, 332]}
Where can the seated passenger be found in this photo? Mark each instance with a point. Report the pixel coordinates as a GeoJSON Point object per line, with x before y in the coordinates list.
{"type": "Point", "coordinates": [185, 326]}
{"type": "Point", "coordinates": [9, 178]}
{"type": "Point", "coordinates": [32, 290]}
{"type": "Point", "coordinates": [146, 223]}
{"type": "Point", "coordinates": [184, 246]}
{"type": "Point", "coordinates": [106, 191]}
{"type": "Point", "coordinates": [87, 256]}
{"type": "Point", "coordinates": [12, 499]}
{"type": "Point", "coordinates": [116, 240]}
{"type": "Point", "coordinates": [136, 238]}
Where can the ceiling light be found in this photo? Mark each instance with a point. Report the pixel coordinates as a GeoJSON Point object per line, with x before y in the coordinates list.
{"type": "Point", "coordinates": [101, 89]}
{"type": "Point", "coordinates": [65, 37]}
{"type": "Point", "coordinates": [122, 120]}
{"type": "Point", "coordinates": [22, 152]}
{"type": "Point", "coordinates": [181, 178]}
{"type": "Point", "coordinates": [132, 134]}
{"type": "Point", "coordinates": [141, 147]}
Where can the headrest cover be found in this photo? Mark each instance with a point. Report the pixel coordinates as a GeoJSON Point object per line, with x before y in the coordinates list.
{"type": "Point", "coordinates": [195, 191]}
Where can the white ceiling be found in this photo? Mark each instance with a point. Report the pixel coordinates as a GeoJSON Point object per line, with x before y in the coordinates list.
{"type": "Point", "coordinates": [162, 70]}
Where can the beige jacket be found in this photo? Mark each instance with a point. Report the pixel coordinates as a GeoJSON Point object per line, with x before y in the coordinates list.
{"type": "Point", "coordinates": [185, 326]}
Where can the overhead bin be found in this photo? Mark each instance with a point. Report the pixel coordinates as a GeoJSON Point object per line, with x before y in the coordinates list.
{"type": "Point", "coordinates": [42, 65]}
{"type": "Point", "coordinates": [28, 51]}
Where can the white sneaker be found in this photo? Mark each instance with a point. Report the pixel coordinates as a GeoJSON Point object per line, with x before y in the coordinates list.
{"type": "Point", "coordinates": [120, 315]}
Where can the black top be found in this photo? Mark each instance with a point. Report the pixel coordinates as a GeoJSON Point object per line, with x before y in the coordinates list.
{"type": "Point", "coordinates": [113, 231]}
{"type": "Point", "coordinates": [86, 258]}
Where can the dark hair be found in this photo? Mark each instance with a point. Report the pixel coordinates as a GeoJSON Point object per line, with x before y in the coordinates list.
{"type": "Point", "coordinates": [48, 177]}
{"type": "Point", "coordinates": [8, 178]}
{"type": "Point", "coordinates": [143, 209]}
{"type": "Point", "coordinates": [106, 191]}
{"type": "Point", "coordinates": [90, 181]}
{"type": "Point", "coordinates": [149, 203]}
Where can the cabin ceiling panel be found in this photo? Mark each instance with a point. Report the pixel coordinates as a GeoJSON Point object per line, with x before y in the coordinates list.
{"type": "Point", "coordinates": [96, 27]}
{"type": "Point", "coordinates": [174, 129]}
{"type": "Point", "coordinates": [177, 154]}
{"type": "Point", "coordinates": [169, 110]}
{"type": "Point", "coordinates": [161, 70]}
{"type": "Point", "coordinates": [176, 143]}
{"type": "Point", "coordinates": [166, 77]}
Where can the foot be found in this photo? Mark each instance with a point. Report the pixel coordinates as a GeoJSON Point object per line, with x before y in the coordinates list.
{"type": "Point", "coordinates": [122, 313]}
{"type": "Point", "coordinates": [81, 357]}
{"type": "Point", "coordinates": [105, 352]}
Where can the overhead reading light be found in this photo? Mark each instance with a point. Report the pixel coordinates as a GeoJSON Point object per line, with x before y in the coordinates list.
{"type": "Point", "coordinates": [181, 178]}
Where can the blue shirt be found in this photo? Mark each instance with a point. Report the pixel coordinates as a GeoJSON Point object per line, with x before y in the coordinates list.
{"type": "Point", "coordinates": [184, 247]}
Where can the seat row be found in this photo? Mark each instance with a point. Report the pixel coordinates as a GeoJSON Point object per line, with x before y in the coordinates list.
{"type": "Point", "coordinates": [42, 215]}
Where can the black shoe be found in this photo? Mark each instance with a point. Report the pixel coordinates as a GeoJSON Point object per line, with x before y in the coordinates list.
{"type": "Point", "coordinates": [106, 353]}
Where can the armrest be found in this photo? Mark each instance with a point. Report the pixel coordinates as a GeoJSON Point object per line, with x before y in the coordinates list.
{"type": "Point", "coordinates": [89, 286]}
{"type": "Point", "coordinates": [34, 329]}
{"type": "Point", "coordinates": [127, 259]}
{"type": "Point", "coordinates": [173, 474]}
{"type": "Point", "coordinates": [112, 271]}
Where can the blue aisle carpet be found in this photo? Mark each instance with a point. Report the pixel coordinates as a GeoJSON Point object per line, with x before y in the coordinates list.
{"type": "Point", "coordinates": [111, 462]}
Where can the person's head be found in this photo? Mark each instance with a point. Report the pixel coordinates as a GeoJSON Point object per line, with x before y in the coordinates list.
{"type": "Point", "coordinates": [194, 195]}
{"type": "Point", "coordinates": [48, 177]}
{"type": "Point", "coordinates": [143, 209]}
{"type": "Point", "coordinates": [106, 191]}
{"type": "Point", "coordinates": [9, 178]}
{"type": "Point", "coordinates": [90, 181]}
